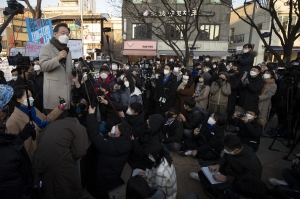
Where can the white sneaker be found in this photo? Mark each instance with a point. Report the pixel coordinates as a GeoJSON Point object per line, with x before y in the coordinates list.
{"type": "Point", "coordinates": [195, 176]}
{"type": "Point", "coordinates": [275, 182]}
{"type": "Point", "coordinates": [185, 153]}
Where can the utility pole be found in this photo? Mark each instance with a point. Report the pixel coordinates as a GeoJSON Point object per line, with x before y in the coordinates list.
{"type": "Point", "coordinates": [253, 15]}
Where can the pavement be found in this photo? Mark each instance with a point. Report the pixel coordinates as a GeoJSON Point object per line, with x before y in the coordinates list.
{"type": "Point", "coordinates": [271, 160]}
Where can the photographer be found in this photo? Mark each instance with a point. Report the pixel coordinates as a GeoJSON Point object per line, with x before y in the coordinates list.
{"type": "Point", "coordinates": [250, 127]}
{"type": "Point", "coordinates": [90, 64]}
{"type": "Point", "coordinates": [245, 61]}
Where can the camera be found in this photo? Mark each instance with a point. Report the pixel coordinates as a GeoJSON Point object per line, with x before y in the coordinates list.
{"type": "Point", "coordinates": [19, 60]}
{"type": "Point", "coordinates": [74, 72]}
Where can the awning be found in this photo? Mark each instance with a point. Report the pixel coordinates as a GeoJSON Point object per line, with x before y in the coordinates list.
{"type": "Point", "coordinates": [197, 53]}
{"type": "Point", "coordinates": [280, 49]}
{"type": "Point", "coordinates": [140, 52]}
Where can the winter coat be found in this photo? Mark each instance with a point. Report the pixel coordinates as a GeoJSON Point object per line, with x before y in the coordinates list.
{"type": "Point", "coordinates": [57, 80]}
{"type": "Point", "coordinates": [249, 133]}
{"type": "Point", "coordinates": [172, 132]}
{"type": "Point", "coordinates": [234, 82]}
{"type": "Point", "coordinates": [16, 176]}
{"type": "Point", "coordinates": [249, 93]}
{"type": "Point", "coordinates": [193, 119]}
{"type": "Point", "coordinates": [202, 99]}
{"type": "Point", "coordinates": [63, 143]}
{"type": "Point", "coordinates": [219, 96]}
{"type": "Point", "coordinates": [182, 95]}
{"type": "Point", "coordinates": [39, 84]}
{"type": "Point", "coordinates": [166, 91]}
{"type": "Point", "coordinates": [113, 154]}
{"type": "Point", "coordinates": [19, 119]}
{"type": "Point", "coordinates": [20, 82]}
{"type": "Point", "coordinates": [125, 98]}
{"type": "Point", "coordinates": [265, 100]}
{"type": "Point", "coordinates": [110, 80]}
{"type": "Point", "coordinates": [245, 62]}
{"type": "Point", "coordinates": [136, 122]}
{"type": "Point", "coordinates": [165, 177]}
{"type": "Point", "coordinates": [246, 162]}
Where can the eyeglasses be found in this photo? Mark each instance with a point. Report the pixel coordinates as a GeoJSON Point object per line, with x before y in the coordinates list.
{"type": "Point", "coordinates": [64, 33]}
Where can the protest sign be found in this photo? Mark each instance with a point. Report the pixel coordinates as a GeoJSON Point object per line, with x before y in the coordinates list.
{"type": "Point", "coordinates": [14, 51]}
{"type": "Point", "coordinates": [75, 47]}
{"type": "Point", "coordinates": [39, 30]}
{"type": "Point", "coordinates": [6, 68]}
{"type": "Point", "coordinates": [33, 49]}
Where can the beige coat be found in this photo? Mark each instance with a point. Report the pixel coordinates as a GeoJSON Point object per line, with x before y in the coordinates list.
{"type": "Point", "coordinates": [57, 79]}
{"type": "Point", "coordinates": [265, 100]}
{"type": "Point", "coordinates": [202, 99]}
{"type": "Point", "coordinates": [19, 119]}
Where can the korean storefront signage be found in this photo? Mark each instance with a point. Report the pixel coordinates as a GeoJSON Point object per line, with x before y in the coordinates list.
{"type": "Point", "coordinates": [177, 13]}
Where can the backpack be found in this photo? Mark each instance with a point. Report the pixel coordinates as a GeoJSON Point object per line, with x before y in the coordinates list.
{"type": "Point", "coordinates": [204, 115]}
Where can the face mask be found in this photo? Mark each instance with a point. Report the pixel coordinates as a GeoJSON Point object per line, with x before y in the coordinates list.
{"type": "Point", "coordinates": [211, 121]}
{"type": "Point", "coordinates": [158, 62]}
{"type": "Point", "coordinates": [166, 72]}
{"type": "Point", "coordinates": [122, 77]}
{"type": "Point", "coordinates": [253, 73]}
{"type": "Point", "coordinates": [152, 159]}
{"type": "Point", "coordinates": [229, 153]}
{"type": "Point", "coordinates": [128, 112]}
{"type": "Point", "coordinates": [170, 115]}
{"type": "Point", "coordinates": [185, 77]}
{"type": "Point", "coordinates": [206, 59]}
{"type": "Point", "coordinates": [76, 65]}
{"type": "Point", "coordinates": [176, 70]}
{"type": "Point", "coordinates": [113, 131]}
{"type": "Point", "coordinates": [214, 66]}
{"type": "Point", "coordinates": [103, 75]}
{"type": "Point", "coordinates": [37, 67]}
{"type": "Point", "coordinates": [249, 117]}
{"type": "Point", "coordinates": [30, 101]}
{"type": "Point", "coordinates": [171, 60]}
{"type": "Point", "coordinates": [267, 76]}
{"type": "Point", "coordinates": [114, 67]}
{"type": "Point", "coordinates": [14, 78]}
{"type": "Point", "coordinates": [107, 59]}
{"type": "Point", "coordinates": [126, 84]}
{"type": "Point", "coordinates": [63, 39]}
{"type": "Point", "coordinates": [156, 76]}
{"type": "Point", "coordinates": [88, 61]}
{"type": "Point", "coordinates": [245, 51]}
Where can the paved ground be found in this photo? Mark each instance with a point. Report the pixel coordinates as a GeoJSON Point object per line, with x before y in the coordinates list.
{"type": "Point", "coordinates": [271, 160]}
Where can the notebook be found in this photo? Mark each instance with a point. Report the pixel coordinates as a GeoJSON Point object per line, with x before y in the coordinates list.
{"type": "Point", "coordinates": [209, 175]}
{"type": "Point", "coordinates": [118, 193]}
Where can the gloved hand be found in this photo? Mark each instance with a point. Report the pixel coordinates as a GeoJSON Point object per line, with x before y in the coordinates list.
{"type": "Point", "coordinates": [62, 106]}
{"type": "Point", "coordinates": [27, 131]}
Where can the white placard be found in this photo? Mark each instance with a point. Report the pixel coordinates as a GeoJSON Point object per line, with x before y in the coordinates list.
{"type": "Point", "coordinates": [75, 47]}
{"type": "Point", "coordinates": [33, 49]}
{"type": "Point", "coordinates": [6, 69]}
{"type": "Point", "coordinates": [238, 48]}
{"type": "Point", "coordinates": [14, 51]}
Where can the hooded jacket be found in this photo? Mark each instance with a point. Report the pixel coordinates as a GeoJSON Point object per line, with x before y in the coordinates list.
{"type": "Point", "coordinates": [136, 122]}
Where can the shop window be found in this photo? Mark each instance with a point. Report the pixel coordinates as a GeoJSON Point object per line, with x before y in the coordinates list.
{"type": "Point", "coordinates": [209, 32]}
{"type": "Point", "coordinates": [141, 31]}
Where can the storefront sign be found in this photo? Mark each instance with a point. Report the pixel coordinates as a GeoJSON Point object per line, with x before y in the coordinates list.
{"type": "Point", "coordinates": [139, 45]}
{"type": "Point", "coordinates": [178, 13]}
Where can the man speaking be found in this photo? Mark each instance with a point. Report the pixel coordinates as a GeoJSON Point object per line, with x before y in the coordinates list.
{"type": "Point", "coordinates": [56, 63]}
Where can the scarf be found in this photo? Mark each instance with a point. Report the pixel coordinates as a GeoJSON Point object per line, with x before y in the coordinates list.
{"type": "Point", "coordinates": [268, 82]}
{"type": "Point", "coordinates": [37, 121]}
{"type": "Point", "coordinates": [57, 44]}
{"type": "Point", "coordinates": [210, 127]}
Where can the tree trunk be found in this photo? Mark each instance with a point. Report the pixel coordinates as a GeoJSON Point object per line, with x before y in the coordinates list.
{"type": "Point", "coordinates": [287, 53]}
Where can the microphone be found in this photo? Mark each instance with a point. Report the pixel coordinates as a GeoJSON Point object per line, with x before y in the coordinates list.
{"type": "Point", "coordinates": [63, 61]}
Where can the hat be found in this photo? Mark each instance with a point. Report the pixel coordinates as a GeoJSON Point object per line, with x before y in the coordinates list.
{"type": "Point", "coordinates": [206, 75]}
{"type": "Point", "coordinates": [131, 69]}
{"type": "Point", "coordinates": [6, 93]}
{"type": "Point", "coordinates": [104, 68]}
{"type": "Point", "coordinates": [37, 67]}
{"type": "Point", "coordinates": [107, 57]}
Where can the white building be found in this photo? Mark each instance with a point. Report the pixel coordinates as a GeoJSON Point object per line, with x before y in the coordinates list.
{"type": "Point", "coordinates": [85, 6]}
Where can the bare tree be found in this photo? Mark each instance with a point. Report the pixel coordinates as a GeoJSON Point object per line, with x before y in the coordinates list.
{"type": "Point", "coordinates": [287, 33]}
{"type": "Point", "coordinates": [36, 12]}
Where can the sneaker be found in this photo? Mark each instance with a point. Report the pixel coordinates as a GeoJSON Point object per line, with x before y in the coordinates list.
{"type": "Point", "coordinates": [195, 176]}
{"type": "Point", "coordinates": [185, 153]}
{"type": "Point", "coordinates": [275, 182]}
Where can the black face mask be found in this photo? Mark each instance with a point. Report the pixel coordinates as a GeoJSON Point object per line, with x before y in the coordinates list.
{"type": "Point", "coordinates": [32, 75]}
{"type": "Point", "coordinates": [170, 115]}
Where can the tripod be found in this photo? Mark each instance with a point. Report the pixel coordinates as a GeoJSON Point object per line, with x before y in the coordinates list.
{"type": "Point", "coordinates": [296, 142]}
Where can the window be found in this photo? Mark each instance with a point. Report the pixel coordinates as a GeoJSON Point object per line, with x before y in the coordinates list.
{"type": "Point", "coordinates": [211, 1]}
{"type": "Point", "coordinates": [20, 43]}
{"type": "Point", "coordinates": [285, 22]}
{"type": "Point", "coordinates": [236, 39]}
{"type": "Point", "coordinates": [173, 32]}
{"type": "Point", "coordinates": [231, 31]}
{"type": "Point", "coordinates": [259, 26]}
{"type": "Point", "coordinates": [209, 32]}
{"type": "Point", "coordinates": [75, 34]}
{"type": "Point", "coordinates": [176, 1]}
{"type": "Point", "coordinates": [141, 31]}
{"type": "Point", "coordinates": [20, 29]}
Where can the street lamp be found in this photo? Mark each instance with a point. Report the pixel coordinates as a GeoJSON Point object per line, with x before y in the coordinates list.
{"type": "Point", "coordinates": [252, 18]}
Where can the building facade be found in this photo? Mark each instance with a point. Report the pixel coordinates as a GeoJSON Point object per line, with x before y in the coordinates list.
{"type": "Point", "coordinates": [213, 20]}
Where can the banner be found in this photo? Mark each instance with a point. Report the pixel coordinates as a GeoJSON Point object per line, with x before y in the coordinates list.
{"type": "Point", "coordinates": [33, 49]}
{"type": "Point", "coordinates": [14, 51]}
{"type": "Point", "coordinates": [39, 30]}
{"type": "Point", "coordinates": [4, 66]}
{"type": "Point", "coordinates": [75, 47]}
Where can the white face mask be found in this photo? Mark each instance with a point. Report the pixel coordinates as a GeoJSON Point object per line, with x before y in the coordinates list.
{"type": "Point", "coordinates": [156, 76]}
{"type": "Point", "coordinates": [30, 101]}
{"type": "Point", "coordinates": [158, 62]}
{"type": "Point", "coordinates": [114, 67]}
{"type": "Point", "coordinates": [122, 77]}
{"type": "Point", "coordinates": [171, 60]}
{"type": "Point", "coordinates": [206, 59]}
{"type": "Point", "coordinates": [253, 73]}
{"type": "Point", "coordinates": [245, 51]}
{"type": "Point", "coordinates": [249, 117]}
{"type": "Point", "coordinates": [152, 159]}
{"type": "Point", "coordinates": [211, 121]}
{"type": "Point", "coordinates": [185, 77]}
{"type": "Point", "coordinates": [166, 72]}
{"type": "Point", "coordinates": [63, 39]}
{"type": "Point", "coordinates": [37, 67]}
{"type": "Point", "coordinates": [126, 84]}
{"type": "Point", "coordinates": [129, 112]}
{"type": "Point", "coordinates": [214, 66]}
{"type": "Point", "coordinates": [76, 65]}
{"type": "Point", "coordinates": [267, 76]}
{"type": "Point", "coordinates": [228, 152]}
{"type": "Point", "coordinates": [176, 70]}
{"type": "Point", "coordinates": [88, 61]}
{"type": "Point", "coordinates": [14, 78]}
{"type": "Point", "coordinates": [103, 75]}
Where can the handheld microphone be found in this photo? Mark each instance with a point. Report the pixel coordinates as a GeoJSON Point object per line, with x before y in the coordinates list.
{"type": "Point", "coordinates": [63, 61]}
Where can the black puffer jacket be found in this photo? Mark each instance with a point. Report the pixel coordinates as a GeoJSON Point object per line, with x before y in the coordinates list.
{"type": "Point", "coordinates": [113, 154]}
{"type": "Point", "coordinates": [234, 82]}
{"type": "Point", "coordinates": [245, 62]}
{"type": "Point", "coordinates": [193, 119]}
{"type": "Point", "coordinates": [175, 132]}
{"type": "Point", "coordinates": [250, 92]}
{"type": "Point", "coordinates": [16, 176]}
{"type": "Point", "coordinates": [136, 122]}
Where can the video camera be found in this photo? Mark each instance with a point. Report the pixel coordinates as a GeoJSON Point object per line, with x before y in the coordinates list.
{"type": "Point", "coordinates": [19, 60]}
{"type": "Point", "coordinates": [291, 73]}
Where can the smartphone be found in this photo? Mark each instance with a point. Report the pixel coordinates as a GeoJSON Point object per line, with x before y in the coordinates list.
{"type": "Point", "coordinates": [245, 74]}
{"type": "Point", "coordinates": [241, 116]}
{"type": "Point", "coordinates": [200, 126]}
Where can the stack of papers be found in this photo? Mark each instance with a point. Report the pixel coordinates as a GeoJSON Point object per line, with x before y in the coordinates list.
{"type": "Point", "coordinates": [209, 175]}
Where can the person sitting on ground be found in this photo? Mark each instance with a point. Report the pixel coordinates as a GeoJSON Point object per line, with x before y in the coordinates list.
{"type": "Point", "coordinates": [193, 117]}
{"type": "Point", "coordinates": [137, 188]}
{"type": "Point", "coordinates": [238, 160]}
{"type": "Point", "coordinates": [250, 128]}
{"type": "Point", "coordinates": [207, 142]}
{"type": "Point", "coordinates": [106, 77]}
{"type": "Point", "coordinates": [172, 131]}
{"type": "Point", "coordinates": [163, 171]}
